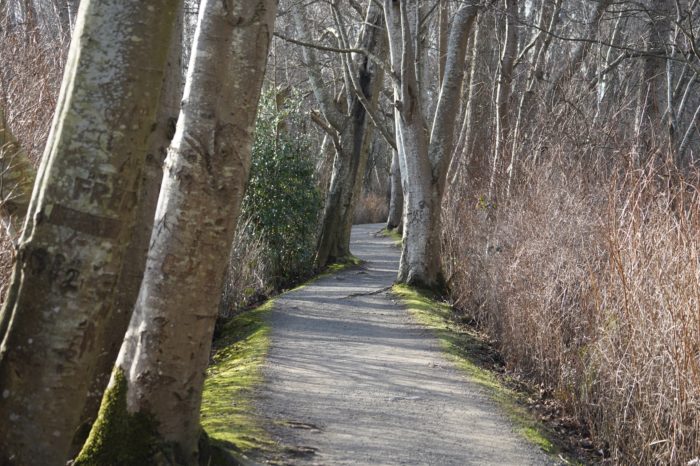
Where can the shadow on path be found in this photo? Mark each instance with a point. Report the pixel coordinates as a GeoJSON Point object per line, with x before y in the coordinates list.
{"type": "Point", "coordinates": [351, 379]}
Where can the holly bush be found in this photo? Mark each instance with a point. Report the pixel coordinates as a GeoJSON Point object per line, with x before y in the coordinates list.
{"type": "Point", "coordinates": [282, 202]}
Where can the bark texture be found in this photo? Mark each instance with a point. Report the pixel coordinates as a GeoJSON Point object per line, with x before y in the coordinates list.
{"type": "Point", "coordinates": [162, 362]}
{"type": "Point", "coordinates": [651, 95]}
{"type": "Point", "coordinates": [503, 88]}
{"type": "Point", "coordinates": [81, 214]}
{"type": "Point", "coordinates": [135, 257]}
{"type": "Point", "coordinates": [424, 158]}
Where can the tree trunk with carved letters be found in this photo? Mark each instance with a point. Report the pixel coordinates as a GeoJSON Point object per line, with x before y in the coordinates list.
{"type": "Point", "coordinates": [135, 260]}
{"type": "Point", "coordinates": [152, 403]}
{"type": "Point", "coordinates": [79, 225]}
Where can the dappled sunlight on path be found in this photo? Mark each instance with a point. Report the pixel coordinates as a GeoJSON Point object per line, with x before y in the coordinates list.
{"type": "Point", "coordinates": [351, 379]}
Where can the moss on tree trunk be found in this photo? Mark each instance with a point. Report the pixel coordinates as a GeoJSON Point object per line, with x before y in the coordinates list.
{"type": "Point", "coordinates": [118, 437]}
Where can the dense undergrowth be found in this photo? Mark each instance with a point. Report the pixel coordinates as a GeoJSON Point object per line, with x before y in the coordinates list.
{"type": "Point", "coordinates": [276, 236]}
{"type": "Point", "coordinates": [589, 279]}
{"type": "Point", "coordinates": [371, 208]}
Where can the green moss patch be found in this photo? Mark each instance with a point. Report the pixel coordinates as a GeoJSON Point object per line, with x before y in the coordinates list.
{"type": "Point", "coordinates": [345, 264]}
{"type": "Point", "coordinates": [227, 406]}
{"type": "Point", "coordinates": [120, 438]}
{"type": "Point", "coordinates": [472, 354]}
{"type": "Point", "coordinates": [393, 234]}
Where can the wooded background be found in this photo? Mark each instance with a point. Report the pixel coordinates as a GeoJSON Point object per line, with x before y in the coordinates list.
{"type": "Point", "coordinates": [539, 158]}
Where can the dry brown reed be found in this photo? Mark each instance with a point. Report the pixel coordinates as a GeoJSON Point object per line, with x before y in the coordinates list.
{"type": "Point", "coordinates": [590, 282]}
{"type": "Point", "coordinates": [371, 208]}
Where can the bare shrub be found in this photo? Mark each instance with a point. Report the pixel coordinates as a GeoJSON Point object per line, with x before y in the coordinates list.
{"type": "Point", "coordinates": [591, 285]}
{"type": "Point", "coordinates": [248, 278]}
{"type": "Point", "coordinates": [30, 79]}
{"type": "Point", "coordinates": [371, 208]}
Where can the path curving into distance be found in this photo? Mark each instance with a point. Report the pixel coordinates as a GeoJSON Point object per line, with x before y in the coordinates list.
{"type": "Point", "coordinates": [350, 378]}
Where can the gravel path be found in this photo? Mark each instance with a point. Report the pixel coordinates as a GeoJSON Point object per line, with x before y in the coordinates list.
{"type": "Point", "coordinates": [351, 379]}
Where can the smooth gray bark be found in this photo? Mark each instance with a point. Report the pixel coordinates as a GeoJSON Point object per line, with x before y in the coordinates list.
{"type": "Point", "coordinates": [162, 362]}
{"type": "Point", "coordinates": [349, 130]}
{"type": "Point", "coordinates": [81, 214]}
{"type": "Point", "coordinates": [424, 157]}
{"type": "Point", "coordinates": [134, 264]}
{"type": "Point", "coordinates": [651, 94]}
{"type": "Point", "coordinates": [396, 195]}
{"type": "Point", "coordinates": [504, 88]}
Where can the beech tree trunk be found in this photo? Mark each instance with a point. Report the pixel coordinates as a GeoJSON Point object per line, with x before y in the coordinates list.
{"type": "Point", "coordinates": [134, 264]}
{"type": "Point", "coordinates": [503, 89]}
{"type": "Point", "coordinates": [353, 148]}
{"type": "Point", "coordinates": [651, 95]}
{"type": "Point", "coordinates": [465, 147]}
{"type": "Point", "coordinates": [82, 210]}
{"type": "Point", "coordinates": [348, 130]}
{"type": "Point", "coordinates": [424, 158]}
{"type": "Point", "coordinates": [156, 388]}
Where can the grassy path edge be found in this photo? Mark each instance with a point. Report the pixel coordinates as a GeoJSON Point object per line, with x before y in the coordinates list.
{"type": "Point", "coordinates": [228, 414]}
{"type": "Point", "coordinates": [467, 351]}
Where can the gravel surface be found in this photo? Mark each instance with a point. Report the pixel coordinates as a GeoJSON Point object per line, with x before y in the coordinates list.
{"type": "Point", "coordinates": [351, 379]}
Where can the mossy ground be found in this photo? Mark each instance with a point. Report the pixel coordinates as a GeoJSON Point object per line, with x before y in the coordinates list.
{"type": "Point", "coordinates": [227, 406]}
{"type": "Point", "coordinates": [227, 413]}
{"type": "Point", "coordinates": [348, 263]}
{"type": "Point", "coordinates": [393, 234]}
{"type": "Point", "coordinates": [471, 354]}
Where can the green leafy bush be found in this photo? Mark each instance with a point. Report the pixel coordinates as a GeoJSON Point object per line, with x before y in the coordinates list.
{"type": "Point", "coordinates": [282, 203]}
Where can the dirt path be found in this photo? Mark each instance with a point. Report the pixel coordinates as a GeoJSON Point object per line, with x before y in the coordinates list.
{"type": "Point", "coordinates": [351, 379]}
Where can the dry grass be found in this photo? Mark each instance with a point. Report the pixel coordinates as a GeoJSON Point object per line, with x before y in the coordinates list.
{"type": "Point", "coordinates": [591, 285]}
{"type": "Point", "coordinates": [371, 208]}
{"type": "Point", "coordinates": [248, 280]}
{"type": "Point", "coordinates": [30, 79]}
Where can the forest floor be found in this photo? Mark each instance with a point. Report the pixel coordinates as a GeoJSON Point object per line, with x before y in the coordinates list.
{"type": "Point", "coordinates": [352, 377]}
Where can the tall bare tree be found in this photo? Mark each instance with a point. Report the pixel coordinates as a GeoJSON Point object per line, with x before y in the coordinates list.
{"type": "Point", "coordinates": [504, 86]}
{"type": "Point", "coordinates": [424, 157]}
{"type": "Point", "coordinates": [347, 124]}
{"type": "Point", "coordinates": [81, 214]}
